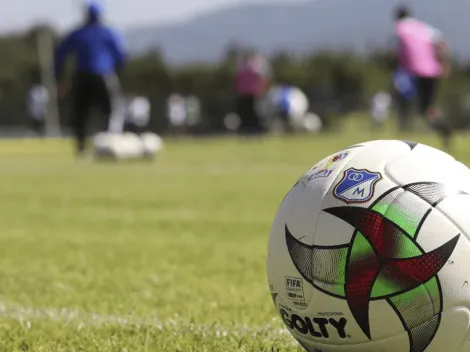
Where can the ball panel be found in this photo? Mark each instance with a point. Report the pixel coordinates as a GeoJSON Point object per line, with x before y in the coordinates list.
{"type": "Point", "coordinates": [284, 279]}
{"type": "Point", "coordinates": [423, 164]}
{"type": "Point", "coordinates": [300, 210]}
{"type": "Point", "coordinates": [454, 328]}
{"type": "Point", "coordinates": [455, 276]}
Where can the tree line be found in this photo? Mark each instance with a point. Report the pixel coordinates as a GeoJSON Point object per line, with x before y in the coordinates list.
{"type": "Point", "coordinates": [336, 82]}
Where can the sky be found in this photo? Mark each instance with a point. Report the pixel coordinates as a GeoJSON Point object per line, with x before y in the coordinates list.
{"type": "Point", "coordinates": [20, 14]}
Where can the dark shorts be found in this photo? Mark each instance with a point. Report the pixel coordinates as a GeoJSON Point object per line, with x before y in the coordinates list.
{"type": "Point", "coordinates": [38, 125]}
{"type": "Point", "coordinates": [246, 110]}
{"type": "Point", "coordinates": [92, 91]}
{"type": "Point", "coordinates": [427, 89]}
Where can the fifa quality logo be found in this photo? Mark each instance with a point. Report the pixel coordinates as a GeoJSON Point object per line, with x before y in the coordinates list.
{"type": "Point", "coordinates": [383, 261]}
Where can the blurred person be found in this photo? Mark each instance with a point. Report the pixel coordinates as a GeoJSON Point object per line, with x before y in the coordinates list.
{"type": "Point", "coordinates": [37, 106]}
{"type": "Point", "coordinates": [282, 101]}
{"type": "Point", "coordinates": [285, 107]}
{"type": "Point", "coordinates": [177, 113]}
{"type": "Point", "coordinates": [193, 110]}
{"type": "Point", "coordinates": [137, 115]}
{"type": "Point", "coordinates": [379, 108]}
{"type": "Point", "coordinates": [251, 83]}
{"type": "Point", "coordinates": [100, 55]}
{"type": "Point", "coordinates": [232, 122]}
{"type": "Point", "coordinates": [404, 92]}
{"type": "Point", "coordinates": [423, 52]}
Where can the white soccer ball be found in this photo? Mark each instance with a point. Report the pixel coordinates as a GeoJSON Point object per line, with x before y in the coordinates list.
{"type": "Point", "coordinates": [370, 252]}
{"type": "Point", "coordinates": [100, 140]}
{"type": "Point", "coordinates": [118, 146]}
{"type": "Point", "coordinates": [129, 146]}
{"type": "Point", "coordinates": [152, 143]}
{"type": "Point", "coordinates": [312, 123]}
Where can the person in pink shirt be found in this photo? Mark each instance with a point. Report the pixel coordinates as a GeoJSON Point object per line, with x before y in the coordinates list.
{"type": "Point", "coordinates": [251, 84]}
{"type": "Point", "coordinates": [423, 53]}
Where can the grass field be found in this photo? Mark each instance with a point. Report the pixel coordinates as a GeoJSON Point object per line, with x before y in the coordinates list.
{"type": "Point", "coordinates": [160, 256]}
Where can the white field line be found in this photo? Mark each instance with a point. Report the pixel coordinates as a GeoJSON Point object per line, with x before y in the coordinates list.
{"type": "Point", "coordinates": [79, 319]}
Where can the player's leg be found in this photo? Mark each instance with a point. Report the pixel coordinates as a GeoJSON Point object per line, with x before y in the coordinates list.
{"type": "Point", "coordinates": [242, 109]}
{"type": "Point", "coordinates": [427, 89]}
{"type": "Point", "coordinates": [42, 126]}
{"type": "Point", "coordinates": [402, 106]}
{"type": "Point", "coordinates": [81, 106]}
{"type": "Point", "coordinates": [35, 125]}
{"type": "Point", "coordinates": [285, 119]}
{"type": "Point", "coordinates": [256, 119]}
{"type": "Point", "coordinates": [112, 103]}
{"type": "Point", "coordinates": [107, 94]}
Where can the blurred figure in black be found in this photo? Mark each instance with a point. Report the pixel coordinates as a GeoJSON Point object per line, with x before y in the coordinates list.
{"type": "Point", "coordinates": [99, 55]}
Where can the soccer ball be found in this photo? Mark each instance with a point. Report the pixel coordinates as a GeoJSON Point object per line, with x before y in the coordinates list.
{"type": "Point", "coordinates": [118, 146]}
{"type": "Point", "coordinates": [370, 252]}
{"type": "Point", "coordinates": [312, 123]}
{"type": "Point", "coordinates": [152, 144]}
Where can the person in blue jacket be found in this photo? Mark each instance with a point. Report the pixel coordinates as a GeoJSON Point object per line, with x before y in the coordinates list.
{"type": "Point", "coordinates": [99, 55]}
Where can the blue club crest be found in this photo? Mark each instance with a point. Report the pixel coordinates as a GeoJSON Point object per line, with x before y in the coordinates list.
{"type": "Point", "coordinates": [356, 186]}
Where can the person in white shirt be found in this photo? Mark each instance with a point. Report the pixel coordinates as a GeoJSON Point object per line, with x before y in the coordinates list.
{"type": "Point", "coordinates": [177, 113]}
{"type": "Point", "coordinates": [137, 114]}
{"type": "Point", "coordinates": [193, 111]}
{"type": "Point", "coordinates": [37, 105]}
{"type": "Point", "coordinates": [380, 107]}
